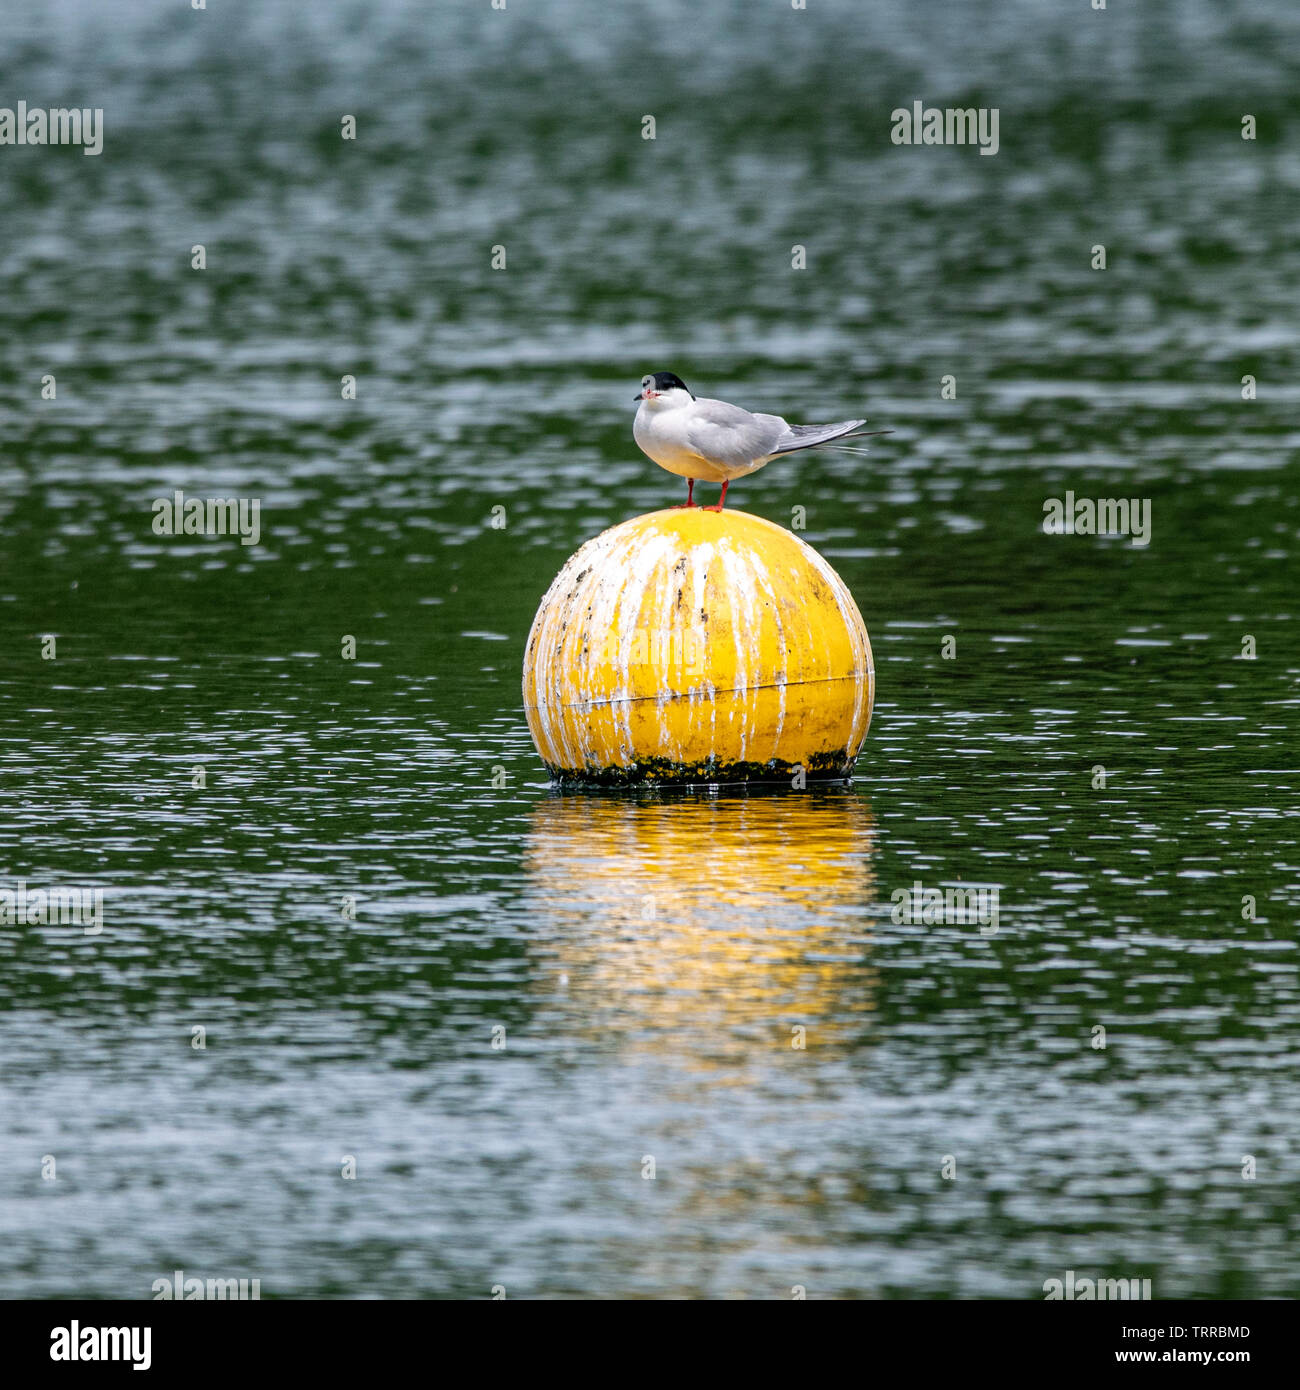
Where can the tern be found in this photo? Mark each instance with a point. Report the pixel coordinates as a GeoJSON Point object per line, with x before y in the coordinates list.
{"type": "Point", "coordinates": [698, 438]}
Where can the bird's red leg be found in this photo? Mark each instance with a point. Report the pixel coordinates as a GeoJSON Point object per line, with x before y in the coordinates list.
{"type": "Point", "coordinates": [722, 499]}
{"type": "Point", "coordinates": [690, 492]}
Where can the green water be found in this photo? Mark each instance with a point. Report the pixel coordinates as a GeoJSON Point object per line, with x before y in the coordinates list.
{"type": "Point", "coordinates": [648, 957]}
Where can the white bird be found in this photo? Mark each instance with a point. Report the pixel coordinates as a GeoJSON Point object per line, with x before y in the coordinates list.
{"type": "Point", "coordinates": [698, 438]}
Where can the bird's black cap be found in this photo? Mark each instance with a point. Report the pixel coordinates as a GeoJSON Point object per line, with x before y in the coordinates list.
{"type": "Point", "coordinates": [668, 381]}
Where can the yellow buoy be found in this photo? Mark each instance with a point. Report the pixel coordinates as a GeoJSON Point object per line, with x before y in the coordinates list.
{"type": "Point", "coordinates": [698, 646]}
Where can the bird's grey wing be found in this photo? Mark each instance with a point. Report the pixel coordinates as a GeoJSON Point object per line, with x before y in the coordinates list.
{"type": "Point", "coordinates": [727, 434]}
{"type": "Point", "coordinates": [807, 436]}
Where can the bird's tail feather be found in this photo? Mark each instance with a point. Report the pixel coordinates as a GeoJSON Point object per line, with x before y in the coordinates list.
{"type": "Point", "coordinates": [810, 436]}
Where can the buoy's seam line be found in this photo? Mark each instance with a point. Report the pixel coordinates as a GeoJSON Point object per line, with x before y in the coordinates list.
{"type": "Point", "coordinates": [730, 690]}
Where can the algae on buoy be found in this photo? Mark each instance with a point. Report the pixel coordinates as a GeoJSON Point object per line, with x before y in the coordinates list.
{"type": "Point", "coordinates": [698, 646]}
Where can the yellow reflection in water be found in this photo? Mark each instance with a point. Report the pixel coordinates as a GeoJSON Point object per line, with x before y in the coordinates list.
{"type": "Point", "coordinates": [733, 917]}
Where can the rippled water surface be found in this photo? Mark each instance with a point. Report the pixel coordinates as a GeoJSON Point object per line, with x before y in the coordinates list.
{"type": "Point", "coordinates": [649, 957]}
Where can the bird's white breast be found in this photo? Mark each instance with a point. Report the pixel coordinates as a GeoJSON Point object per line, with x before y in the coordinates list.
{"type": "Point", "coordinates": [661, 434]}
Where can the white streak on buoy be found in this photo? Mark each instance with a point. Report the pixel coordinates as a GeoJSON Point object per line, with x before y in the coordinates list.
{"type": "Point", "coordinates": [738, 572]}
{"type": "Point", "coordinates": [852, 625]}
{"type": "Point", "coordinates": [765, 577]}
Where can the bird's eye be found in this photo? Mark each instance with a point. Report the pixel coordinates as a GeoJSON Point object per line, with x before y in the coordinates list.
{"type": "Point", "coordinates": [647, 382]}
